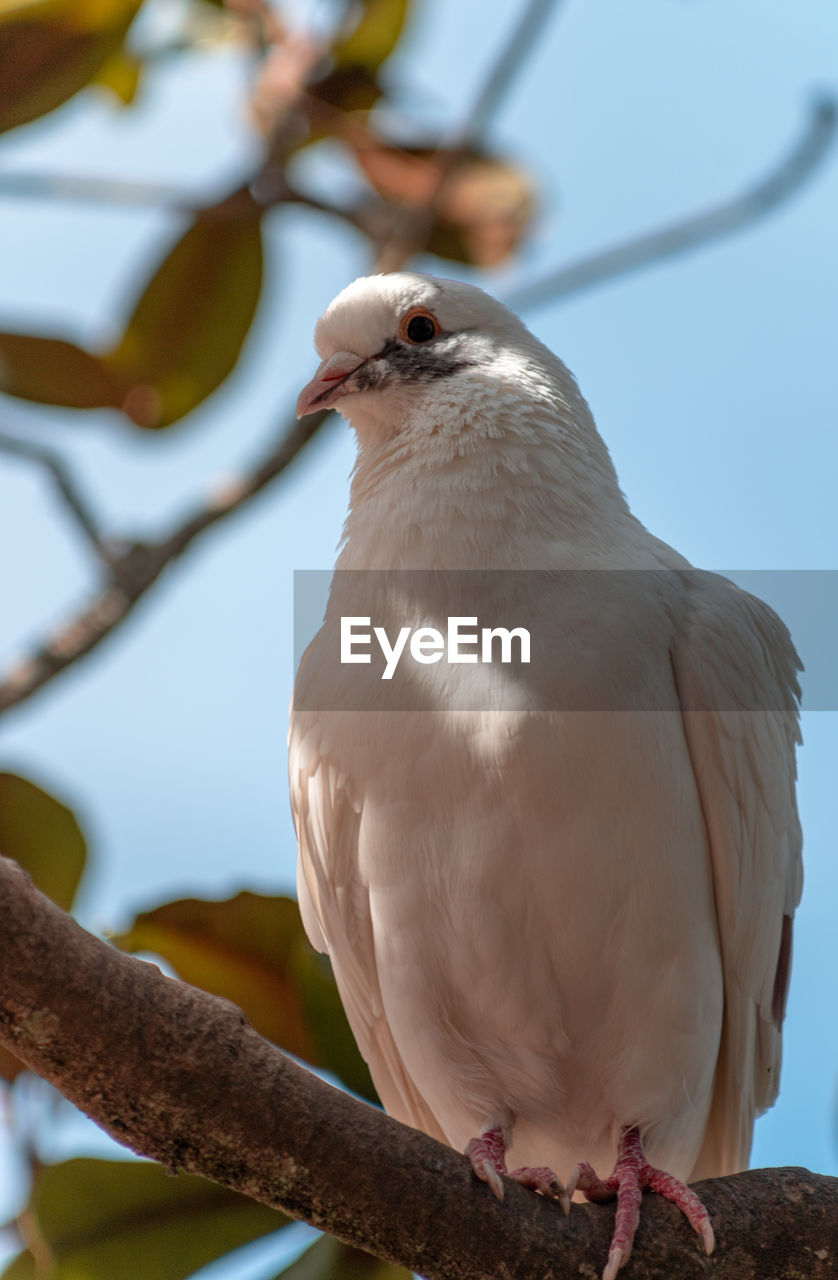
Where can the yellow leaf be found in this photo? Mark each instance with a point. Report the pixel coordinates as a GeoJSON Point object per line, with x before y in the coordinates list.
{"type": "Point", "coordinates": [121, 74]}
{"type": "Point", "coordinates": [190, 322]}
{"type": "Point", "coordinates": [52, 371]}
{"type": "Point", "coordinates": [253, 950]}
{"type": "Point", "coordinates": [51, 49]}
{"type": "Point", "coordinates": [374, 36]}
{"type": "Point", "coordinates": [103, 1219]}
{"type": "Point", "coordinates": [43, 836]}
{"type": "Point", "coordinates": [331, 1259]}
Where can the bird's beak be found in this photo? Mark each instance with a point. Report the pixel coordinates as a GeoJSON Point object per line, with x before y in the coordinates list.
{"type": "Point", "coordinates": [330, 383]}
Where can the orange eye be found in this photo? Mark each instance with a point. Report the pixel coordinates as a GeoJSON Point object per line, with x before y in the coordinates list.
{"type": "Point", "coordinates": [418, 325]}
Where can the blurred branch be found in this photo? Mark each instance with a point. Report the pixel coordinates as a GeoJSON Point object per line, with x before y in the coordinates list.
{"type": "Point", "coordinates": [178, 1075]}
{"type": "Point", "coordinates": [84, 189]}
{"type": "Point", "coordinates": [139, 566]}
{"type": "Point", "coordinates": [505, 70]}
{"type": "Point", "coordinates": [778, 186]}
{"type": "Point", "coordinates": [411, 227]}
{"type": "Point", "coordinates": [74, 503]}
{"type": "Point", "coordinates": [135, 568]}
{"type": "Point", "coordinates": [269, 187]}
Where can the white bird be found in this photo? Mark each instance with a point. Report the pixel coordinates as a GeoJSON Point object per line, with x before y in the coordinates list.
{"type": "Point", "coordinates": [560, 919]}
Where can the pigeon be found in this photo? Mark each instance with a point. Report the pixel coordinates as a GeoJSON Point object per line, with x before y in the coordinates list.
{"type": "Point", "coordinates": [558, 898]}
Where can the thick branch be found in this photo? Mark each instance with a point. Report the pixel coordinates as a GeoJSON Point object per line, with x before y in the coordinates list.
{"type": "Point", "coordinates": [667, 242]}
{"type": "Point", "coordinates": [180, 1076]}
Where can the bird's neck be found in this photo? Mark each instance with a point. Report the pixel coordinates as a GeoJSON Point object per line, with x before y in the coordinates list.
{"type": "Point", "coordinates": [541, 497]}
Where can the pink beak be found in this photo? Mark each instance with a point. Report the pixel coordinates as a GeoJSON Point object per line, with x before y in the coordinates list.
{"type": "Point", "coordinates": [329, 383]}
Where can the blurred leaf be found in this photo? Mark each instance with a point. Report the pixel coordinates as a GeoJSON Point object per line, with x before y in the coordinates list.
{"type": "Point", "coordinates": [52, 371]}
{"type": "Point", "coordinates": [346, 89]}
{"type": "Point", "coordinates": [44, 836]}
{"type": "Point", "coordinates": [182, 341]}
{"type": "Point", "coordinates": [331, 1259]}
{"type": "Point", "coordinates": [486, 204]}
{"type": "Point", "coordinates": [374, 36]}
{"type": "Point", "coordinates": [103, 1219]}
{"type": "Point", "coordinates": [193, 316]}
{"type": "Point", "coordinates": [253, 950]}
{"type": "Point", "coordinates": [351, 84]}
{"type": "Point", "coordinates": [49, 49]}
{"type": "Point", "coordinates": [121, 74]}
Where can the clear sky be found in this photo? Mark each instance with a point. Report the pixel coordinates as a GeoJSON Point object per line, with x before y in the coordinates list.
{"type": "Point", "coordinates": [712, 378]}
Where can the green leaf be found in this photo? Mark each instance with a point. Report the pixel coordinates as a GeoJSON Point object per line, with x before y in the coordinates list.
{"type": "Point", "coordinates": [103, 1219]}
{"type": "Point", "coordinates": [51, 49]}
{"type": "Point", "coordinates": [52, 371]}
{"type": "Point", "coordinates": [253, 950]}
{"type": "Point", "coordinates": [187, 329]}
{"type": "Point", "coordinates": [374, 36]}
{"type": "Point", "coordinates": [331, 1259]}
{"type": "Point", "coordinates": [44, 836]}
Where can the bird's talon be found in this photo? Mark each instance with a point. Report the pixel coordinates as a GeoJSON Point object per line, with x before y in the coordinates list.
{"type": "Point", "coordinates": [616, 1258]}
{"type": "Point", "coordinates": [487, 1172]}
{"type": "Point", "coordinates": [707, 1237]}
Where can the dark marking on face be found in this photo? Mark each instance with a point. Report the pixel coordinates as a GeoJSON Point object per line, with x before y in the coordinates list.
{"type": "Point", "coordinates": [399, 362]}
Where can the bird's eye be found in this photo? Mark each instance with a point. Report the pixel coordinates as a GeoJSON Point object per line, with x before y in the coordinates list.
{"type": "Point", "coordinates": [419, 326]}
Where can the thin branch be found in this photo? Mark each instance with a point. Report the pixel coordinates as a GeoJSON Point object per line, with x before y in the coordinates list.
{"type": "Point", "coordinates": [138, 566]}
{"type": "Point", "coordinates": [269, 186]}
{"type": "Point", "coordinates": [411, 228]}
{"type": "Point", "coordinates": [180, 1076]}
{"type": "Point", "coordinates": [77, 505]}
{"type": "Point", "coordinates": [506, 68]}
{"type": "Point", "coordinates": [777, 187]}
{"type": "Point", "coordinates": [86, 189]}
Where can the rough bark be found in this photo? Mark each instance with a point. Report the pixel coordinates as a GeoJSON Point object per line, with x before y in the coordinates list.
{"type": "Point", "coordinates": [179, 1076]}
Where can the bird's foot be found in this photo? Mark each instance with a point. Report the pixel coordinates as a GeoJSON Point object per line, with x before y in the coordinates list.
{"type": "Point", "coordinates": [488, 1160]}
{"type": "Point", "coordinates": [631, 1177]}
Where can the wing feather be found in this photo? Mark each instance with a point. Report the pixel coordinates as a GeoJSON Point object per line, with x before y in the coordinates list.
{"type": "Point", "coordinates": [736, 673]}
{"type": "Point", "coordinates": [335, 907]}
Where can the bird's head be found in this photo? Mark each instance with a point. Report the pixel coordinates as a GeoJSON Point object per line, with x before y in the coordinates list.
{"type": "Point", "coordinates": [407, 352]}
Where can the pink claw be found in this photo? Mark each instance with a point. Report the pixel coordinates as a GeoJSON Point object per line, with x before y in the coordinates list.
{"type": "Point", "coordinates": [488, 1160]}
{"type": "Point", "coordinates": [631, 1177]}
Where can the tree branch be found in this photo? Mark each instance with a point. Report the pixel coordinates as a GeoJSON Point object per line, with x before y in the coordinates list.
{"type": "Point", "coordinates": [702, 228]}
{"type": "Point", "coordinates": [179, 1076]}
{"type": "Point", "coordinates": [136, 568]}
{"type": "Point", "coordinates": [141, 564]}
{"type": "Point", "coordinates": [133, 570]}
{"type": "Point", "coordinates": [74, 502]}
{"type": "Point", "coordinates": [410, 230]}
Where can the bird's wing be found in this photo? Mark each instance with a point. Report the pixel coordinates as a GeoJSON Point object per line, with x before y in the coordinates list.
{"type": "Point", "coordinates": [335, 907]}
{"type": "Point", "coordinates": [736, 673]}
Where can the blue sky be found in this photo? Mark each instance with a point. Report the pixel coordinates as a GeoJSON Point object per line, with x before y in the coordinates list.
{"type": "Point", "coordinates": [712, 379]}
